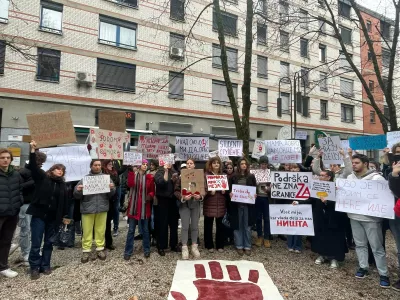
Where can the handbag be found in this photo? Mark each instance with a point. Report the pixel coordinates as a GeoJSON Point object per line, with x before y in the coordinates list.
{"type": "Point", "coordinates": [64, 233]}
{"type": "Point", "coordinates": [225, 220]}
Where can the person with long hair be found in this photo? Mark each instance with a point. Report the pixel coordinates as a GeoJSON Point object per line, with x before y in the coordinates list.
{"type": "Point", "coordinates": [242, 215]}
{"type": "Point", "coordinates": [49, 209]}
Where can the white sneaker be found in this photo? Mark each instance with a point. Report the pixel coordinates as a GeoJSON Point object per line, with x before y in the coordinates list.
{"type": "Point", "coordinates": [320, 260]}
{"type": "Point", "coordinates": [13, 248]}
{"type": "Point", "coordinates": [125, 218]}
{"type": "Point", "coordinates": [9, 273]}
{"type": "Point", "coordinates": [334, 264]}
{"type": "Point", "coordinates": [195, 251]}
{"type": "Point", "coordinates": [185, 252]}
{"type": "Point", "coordinates": [179, 224]}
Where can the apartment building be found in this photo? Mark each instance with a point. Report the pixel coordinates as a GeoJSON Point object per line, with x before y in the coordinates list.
{"type": "Point", "coordinates": [87, 55]}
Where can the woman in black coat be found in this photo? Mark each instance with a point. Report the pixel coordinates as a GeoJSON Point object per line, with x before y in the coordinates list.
{"type": "Point", "coordinates": [49, 209]}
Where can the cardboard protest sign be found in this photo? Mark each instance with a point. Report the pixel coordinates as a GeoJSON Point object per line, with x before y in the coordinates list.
{"type": "Point", "coordinates": [230, 147]}
{"type": "Point", "coordinates": [97, 184]}
{"type": "Point", "coordinates": [290, 185]}
{"type": "Point", "coordinates": [283, 151]}
{"type": "Point", "coordinates": [323, 189]}
{"type": "Point", "coordinates": [166, 159]}
{"type": "Point", "coordinates": [262, 175]}
{"type": "Point", "coordinates": [244, 194]}
{"type": "Point", "coordinates": [26, 138]}
{"type": "Point", "coordinates": [365, 197]}
{"type": "Point", "coordinates": [368, 142]}
{"type": "Point", "coordinates": [301, 135]}
{"type": "Point", "coordinates": [290, 219]}
{"type": "Point", "coordinates": [393, 137]}
{"type": "Point", "coordinates": [192, 147]}
{"type": "Point", "coordinates": [51, 129]}
{"type": "Point", "coordinates": [330, 147]}
{"type": "Point", "coordinates": [217, 183]}
{"type": "Point", "coordinates": [76, 160]}
{"type": "Point", "coordinates": [110, 143]}
{"type": "Point", "coordinates": [258, 149]}
{"type": "Point", "coordinates": [152, 146]}
{"type": "Point", "coordinates": [192, 182]}
{"type": "Point", "coordinates": [113, 120]}
{"type": "Point", "coordinates": [132, 158]}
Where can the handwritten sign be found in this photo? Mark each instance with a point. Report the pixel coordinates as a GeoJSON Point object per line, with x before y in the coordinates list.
{"type": "Point", "coordinates": [365, 197]}
{"type": "Point", "coordinates": [110, 143]}
{"type": "Point", "coordinates": [262, 175]}
{"type": "Point", "coordinates": [166, 159]}
{"type": "Point", "coordinates": [192, 182]}
{"type": "Point", "coordinates": [244, 194]}
{"type": "Point", "coordinates": [113, 120]}
{"type": "Point", "coordinates": [345, 145]}
{"type": "Point", "coordinates": [152, 146]}
{"type": "Point", "coordinates": [76, 160]}
{"type": "Point", "coordinates": [216, 153]}
{"type": "Point", "coordinates": [51, 129]}
{"type": "Point", "coordinates": [290, 185]}
{"type": "Point", "coordinates": [132, 158]}
{"type": "Point", "coordinates": [291, 219]}
{"type": "Point", "coordinates": [393, 137]}
{"type": "Point", "coordinates": [368, 142]}
{"type": "Point", "coordinates": [330, 147]}
{"type": "Point", "coordinates": [230, 147]}
{"type": "Point", "coordinates": [217, 182]}
{"type": "Point", "coordinates": [283, 151]}
{"type": "Point", "coordinates": [97, 184]}
{"type": "Point", "coordinates": [192, 147]}
{"type": "Point", "coordinates": [301, 135]}
{"type": "Point", "coordinates": [323, 189]}
{"type": "Point", "coordinates": [258, 149]}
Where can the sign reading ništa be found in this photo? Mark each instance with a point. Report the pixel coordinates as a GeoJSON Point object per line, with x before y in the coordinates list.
{"type": "Point", "coordinates": [52, 128]}
{"type": "Point", "coordinates": [97, 184]}
{"type": "Point", "coordinates": [192, 147]}
{"type": "Point", "coordinates": [283, 151]}
{"type": "Point", "coordinates": [290, 185]}
{"type": "Point", "coordinates": [291, 219]}
{"type": "Point", "coordinates": [153, 146]}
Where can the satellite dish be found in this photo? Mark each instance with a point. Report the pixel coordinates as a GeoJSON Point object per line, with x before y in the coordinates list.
{"type": "Point", "coordinates": [285, 133]}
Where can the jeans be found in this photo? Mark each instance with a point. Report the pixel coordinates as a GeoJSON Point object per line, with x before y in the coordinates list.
{"type": "Point", "coordinates": [131, 235]}
{"type": "Point", "coordinates": [40, 228]}
{"type": "Point", "coordinates": [243, 235]}
{"type": "Point", "coordinates": [116, 208]}
{"type": "Point", "coordinates": [295, 242]}
{"type": "Point", "coordinates": [189, 217]}
{"type": "Point", "coordinates": [262, 208]}
{"type": "Point", "coordinates": [369, 232]}
{"type": "Point", "coordinates": [25, 233]}
{"type": "Point", "coordinates": [395, 228]}
{"type": "Point", "coordinates": [7, 229]}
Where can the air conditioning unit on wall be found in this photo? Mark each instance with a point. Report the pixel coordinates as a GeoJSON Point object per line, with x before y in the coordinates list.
{"type": "Point", "coordinates": [176, 52]}
{"type": "Point", "coordinates": [84, 77]}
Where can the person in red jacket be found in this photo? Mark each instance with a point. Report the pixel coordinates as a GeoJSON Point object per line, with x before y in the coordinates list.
{"type": "Point", "coordinates": [141, 193]}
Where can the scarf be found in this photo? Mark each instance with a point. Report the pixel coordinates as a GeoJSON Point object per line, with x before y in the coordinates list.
{"type": "Point", "coordinates": [135, 192]}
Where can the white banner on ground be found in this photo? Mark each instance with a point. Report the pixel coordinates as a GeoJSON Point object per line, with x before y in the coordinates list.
{"type": "Point", "coordinates": [330, 147]}
{"type": "Point", "coordinates": [261, 175]}
{"type": "Point", "coordinates": [76, 160]}
{"type": "Point", "coordinates": [291, 219]}
{"type": "Point", "coordinates": [258, 149]}
{"type": "Point", "coordinates": [244, 194]}
{"type": "Point", "coordinates": [290, 185]}
{"type": "Point", "coordinates": [365, 197]}
{"type": "Point", "coordinates": [323, 189]}
{"type": "Point", "coordinates": [152, 146]}
{"type": "Point", "coordinates": [283, 151]}
{"type": "Point", "coordinates": [97, 184]}
{"type": "Point", "coordinates": [230, 147]}
{"type": "Point", "coordinates": [133, 158]}
{"type": "Point", "coordinates": [192, 147]}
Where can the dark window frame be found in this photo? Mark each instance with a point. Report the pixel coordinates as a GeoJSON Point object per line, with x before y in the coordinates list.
{"type": "Point", "coordinates": [220, 101]}
{"type": "Point", "coordinates": [2, 56]}
{"type": "Point", "coordinates": [322, 50]}
{"type": "Point", "coordinates": [177, 10]}
{"type": "Point", "coordinates": [369, 26]}
{"type": "Point", "coordinates": [284, 47]}
{"type": "Point", "coordinates": [371, 86]}
{"type": "Point", "coordinates": [262, 33]}
{"type": "Point", "coordinates": [372, 116]}
{"type": "Point", "coordinates": [228, 49]}
{"type": "Point", "coordinates": [344, 113]}
{"type": "Point", "coordinates": [258, 73]}
{"type": "Point", "coordinates": [118, 23]}
{"type": "Point", "coordinates": [350, 42]}
{"type": "Point", "coordinates": [344, 10]}
{"type": "Point", "coordinates": [172, 77]}
{"type": "Point", "coordinates": [304, 43]}
{"type": "Point", "coordinates": [44, 56]}
{"type": "Point", "coordinates": [114, 65]}
{"type": "Point", "coordinates": [324, 114]}
{"type": "Point", "coordinates": [225, 15]}
{"type": "Point", "coordinates": [263, 91]}
{"type": "Point", "coordinates": [54, 7]}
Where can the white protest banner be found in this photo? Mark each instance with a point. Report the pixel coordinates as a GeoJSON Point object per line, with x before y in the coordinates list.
{"type": "Point", "coordinates": [244, 194]}
{"type": "Point", "coordinates": [330, 147]}
{"type": "Point", "coordinates": [230, 147]}
{"type": "Point", "coordinates": [215, 153]}
{"type": "Point", "coordinates": [76, 160]}
{"type": "Point", "coordinates": [217, 182]}
{"type": "Point", "coordinates": [283, 151]}
{"type": "Point", "coordinates": [110, 143]}
{"type": "Point", "coordinates": [133, 158]}
{"type": "Point", "coordinates": [290, 219]}
{"type": "Point", "coordinates": [97, 184]}
{"type": "Point", "coordinates": [301, 135]}
{"type": "Point", "coordinates": [262, 175]}
{"type": "Point", "coordinates": [258, 149]}
{"type": "Point", "coordinates": [192, 147]}
{"type": "Point", "coordinates": [290, 185]}
{"type": "Point", "coordinates": [365, 197]}
{"type": "Point", "coordinates": [323, 189]}
{"type": "Point", "coordinates": [345, 145]}
{"type": "Point", "coordinates": [393, 137]}
{"type": "Point", "coordinates": [166, 159]}
{"type": "Point", "coordinates": [152, 146]}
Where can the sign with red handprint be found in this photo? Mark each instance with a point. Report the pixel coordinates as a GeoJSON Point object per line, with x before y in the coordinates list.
{"type": "Point", "coordinates": [258, 149]}
{"type": "Point", "coordinates": [110, 143]}
{"type": "Point", "coordinates": [218, 280]}
{"type": "Point", "coordinates": [217, 183]}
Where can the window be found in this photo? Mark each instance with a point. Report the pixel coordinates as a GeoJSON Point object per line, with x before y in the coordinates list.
{"type": "Point", "coordinates": [302, 105]}
{"type": "Point", "coordinates": [4, 4]}
{"type": "Point", "coordinates": [344, 63]}
{"type": "Point", "coordinates": [284, 70]}
{"type": "Point", "coordinates": [177, 11]}
{"type": "Point", "coordinates": [385, 58]}
{"type": "Point", "coordinates": [176, 45]}
{"type": "Point", "coordinates": [324, 109]}
{"type": "Point", "coordinates": [229, 22]}
{"type": "Point", "coordinates": [262, 99]}
{"type": "Point", "coordinates": [346, 87]}
{"type": "Point", "coordinates": [283, 11]}
{"type": "Point", "coordinates": [259, 134]}
{"type": "Point", "coordinates": [347, 113]}
{"type": "Point", "coordinates": [369, 55]}
{"type": "Point", "coordinates": [321, 3]}
{"type": "Point", "coordinates": [169, 127]}
{"type": "Point", "coordinates": [261, 34]}
{"type": "Point", "coordinates": [115, 75]}
{"type": "Point", "coordinates": [2, 56]}
{"type": "Point", "coordinates": [175, 90]}
{"type": "Point", "coordinates": [48, 67]}
{"type": "Point", "coordinates": [323, 81]}
{"type": "Point", "coordinates": [284, 41]}
{"type": "Point", "coordinates": [369, 26]}
{"type": "Point", "coordinates": [385, 29]}
{"type": "Point", "coordinates": [304, 48]}
{"type": "Point", "coordinates": [261, 7]}
{"type": "Point", "coordinates": [285, 103]}
{"type": "Point", "coordinates": [305, 75]}
{"type": "Point", "coordinates": [262, 66]}
{"type": "Point", "coordinates": [322, 26]}
{"type": "Point", "coordinates": [322, 53]}
{"type": "Point", "coordinates": [385, 82]}
{"type": "Point", "coordinates": [386, 111]}
{"type": "Point", "coordinates": [371, 86]}
{"type": "Point", "coordinates": [344, 9]}
{"type": "Point", "coordinates": [219, 93]}
{"type": "Point", "coordinates": [345, 33]}
{"type": "Point", "coordinates": [117, 32]}
{"type": "Point", "coordinates": [132, 3]}
{"type": "Point", "coordinates": [372, 118]}
{"type": "Point", "coordinates": [303, 19]}
{"type": "Point", "coordinates": [51, 16]}
{"type": "Point", "coordinates": [231, 54]}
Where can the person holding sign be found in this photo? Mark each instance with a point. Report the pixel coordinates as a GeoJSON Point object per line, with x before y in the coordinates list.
{"type": "Point", "coordinates": [242, 215]}
{"type": "Point", "coordinates": [49, 208]}
{"type": "Point", "coordinates": [335, 168]}
{"type": "Point", "coordinates": [94, 208]}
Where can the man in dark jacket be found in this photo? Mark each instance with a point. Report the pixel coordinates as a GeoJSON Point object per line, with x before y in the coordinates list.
{"type": "Point", "coordinates": [10, 204]}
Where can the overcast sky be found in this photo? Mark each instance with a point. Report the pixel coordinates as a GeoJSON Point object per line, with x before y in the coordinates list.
{"type": "Point", "coordinates": [384, 7]}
